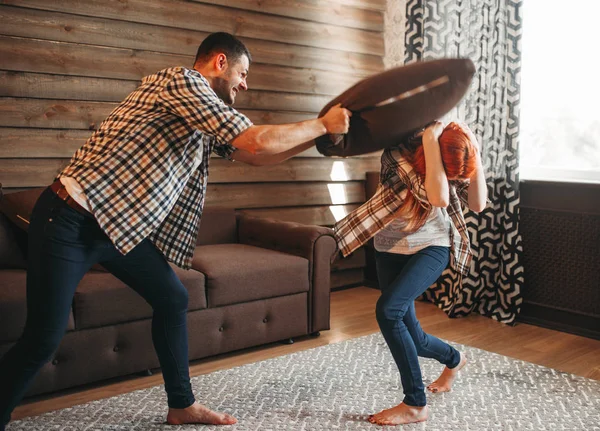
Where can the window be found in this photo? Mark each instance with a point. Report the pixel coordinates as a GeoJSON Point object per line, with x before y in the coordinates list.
{"type": "Point", "coordinates": [560, 91]}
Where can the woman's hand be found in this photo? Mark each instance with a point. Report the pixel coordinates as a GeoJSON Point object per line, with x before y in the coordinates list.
{"type": "Point", "coordinates": [471, 135]}
{"type": "Point", "coordinates": [434, 130]}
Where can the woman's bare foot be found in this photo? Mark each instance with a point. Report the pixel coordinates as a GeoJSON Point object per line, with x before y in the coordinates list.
{"type": "Point", "coordinates": [445, 380]}
{"type": "Point", "coordinates": [400, 415]}
{"type": "Point", "coordinates": [198, 414]}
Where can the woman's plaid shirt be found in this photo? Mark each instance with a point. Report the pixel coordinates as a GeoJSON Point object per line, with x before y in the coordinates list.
{"type": "Point", "coordinates": [137, 168]}
{"type": "Point", "coordinates": [396, 180]}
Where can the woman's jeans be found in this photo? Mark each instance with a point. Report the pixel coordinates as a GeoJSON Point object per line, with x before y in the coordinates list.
{"type": "Point", "coordinates": [63, 246]}
{"type": "Point", "coordinates": [402, 279]}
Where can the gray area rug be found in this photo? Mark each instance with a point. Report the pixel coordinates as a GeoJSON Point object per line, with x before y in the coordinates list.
{"type": "Point", "coordinates": [335, 387]}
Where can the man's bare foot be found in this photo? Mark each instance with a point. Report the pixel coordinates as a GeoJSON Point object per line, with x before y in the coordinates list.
{"type": "Point", "coordinates": [198, 414]}
{"type": "Point", "coordinates": [400, 415]}
{"type": "Point", "coordinates": [445, 380]}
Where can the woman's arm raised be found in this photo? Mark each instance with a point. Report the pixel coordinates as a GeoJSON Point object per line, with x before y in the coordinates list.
{"type": "Point", "coordinates": [436, 182]}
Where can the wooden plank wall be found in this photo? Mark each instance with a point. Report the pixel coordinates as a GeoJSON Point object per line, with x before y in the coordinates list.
{"type": "Point", "coordinates": [66, 63]}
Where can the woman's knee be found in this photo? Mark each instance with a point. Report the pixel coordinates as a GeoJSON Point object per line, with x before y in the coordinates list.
{"type": "Point", "coordinates": [386, 309]}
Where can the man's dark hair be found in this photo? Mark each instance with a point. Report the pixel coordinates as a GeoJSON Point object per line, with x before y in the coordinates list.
{"type": "Point", "coordinates": [223, 42]}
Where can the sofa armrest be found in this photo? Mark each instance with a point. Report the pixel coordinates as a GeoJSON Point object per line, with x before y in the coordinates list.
{"type": "Point", "coordinates": [315, 243]}
{"type": "Point", "coordinates": [288, 237]}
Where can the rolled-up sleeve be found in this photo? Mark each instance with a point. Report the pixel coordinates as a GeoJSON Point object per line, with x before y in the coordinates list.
{"type": "Point", "coordinates": [224, 150]}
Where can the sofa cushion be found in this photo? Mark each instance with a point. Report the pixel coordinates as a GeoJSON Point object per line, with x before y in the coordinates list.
{"type": "Point", "coordinates": [390, 106]}
{"type": "Point", "coordinates": [13, 304]}
{"type": "Point", "coordinates": [238, 273]}
{"type": "Point", "coordinates": [102, 299]}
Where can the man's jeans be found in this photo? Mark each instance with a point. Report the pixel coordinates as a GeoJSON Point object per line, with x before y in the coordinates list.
{"type": "Point", "coordinates": [63, 246]}
{"type": "Point", "coordinates": [402, 279]}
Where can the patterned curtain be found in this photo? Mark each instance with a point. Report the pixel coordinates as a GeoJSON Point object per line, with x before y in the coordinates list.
{"type": "Point", "coordinates": [489, 33]}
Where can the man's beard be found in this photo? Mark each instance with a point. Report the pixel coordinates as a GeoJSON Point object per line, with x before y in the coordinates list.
{"type": "Point", "coordinates": [222, 88]}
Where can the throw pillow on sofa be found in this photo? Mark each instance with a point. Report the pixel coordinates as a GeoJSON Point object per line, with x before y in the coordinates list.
{"type": "Point", "coordinates": [17, 207]}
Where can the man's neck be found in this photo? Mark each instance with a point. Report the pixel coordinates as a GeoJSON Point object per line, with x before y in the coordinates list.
{"type": "Point", "coordinates": [206, 72]}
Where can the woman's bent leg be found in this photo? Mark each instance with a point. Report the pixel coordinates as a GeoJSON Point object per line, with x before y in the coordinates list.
{"type": "Point", "coordinates": [415, 274]}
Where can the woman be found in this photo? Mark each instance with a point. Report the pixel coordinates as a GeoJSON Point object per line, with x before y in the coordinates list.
{"type": "Point", "coordinates": [417, 222]}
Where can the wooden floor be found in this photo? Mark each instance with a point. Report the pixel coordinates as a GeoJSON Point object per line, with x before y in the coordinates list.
{"type": "Point", "coordinates": [353, 315]}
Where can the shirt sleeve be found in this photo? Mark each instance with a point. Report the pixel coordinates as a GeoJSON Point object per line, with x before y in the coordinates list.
{"type": "Point", "coordinates": [189, 96]}
{"type": "Point", "coordinates": [224, 150]}
{"type": "Point", "coordinates": [462, 190]}
{"type": "Point", "coordinates": [395, 168]}
{"type": "Point", "coordinates": [364, 222]}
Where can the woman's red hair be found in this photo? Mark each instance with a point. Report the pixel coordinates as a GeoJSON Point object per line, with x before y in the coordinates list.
{"type": "Point", "coordinates": [459, 157]}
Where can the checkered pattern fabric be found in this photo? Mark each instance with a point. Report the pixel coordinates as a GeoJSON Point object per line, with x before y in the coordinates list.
{"type": "Point", "coordinates": [397, 179]}
{"type": "Point", "coordinates": [137, 169]}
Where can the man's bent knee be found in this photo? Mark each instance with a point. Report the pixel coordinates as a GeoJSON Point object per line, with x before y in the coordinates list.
{"type": "Point", "coordinates": [175, 302]}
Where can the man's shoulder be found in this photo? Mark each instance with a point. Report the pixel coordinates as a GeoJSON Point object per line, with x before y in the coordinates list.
{"type": "Point", "coordinates": [177, 72]}
{"type": "Point", "coordinates": [187, 73]}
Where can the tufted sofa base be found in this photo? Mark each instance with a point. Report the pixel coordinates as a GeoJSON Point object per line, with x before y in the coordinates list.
{"type": "Point", "coordinates": [253, 281]}
{"type": "Point", "coordinates": [101, 353]}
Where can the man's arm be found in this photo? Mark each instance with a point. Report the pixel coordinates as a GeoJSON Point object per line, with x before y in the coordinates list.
{"type": "Point", "coordinates": [269, 159]}
{"type": "Point", "coordinates": [278, 139]}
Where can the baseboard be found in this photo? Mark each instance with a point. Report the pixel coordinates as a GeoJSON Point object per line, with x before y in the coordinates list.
{"type": "Point", "coordinates": [560, 320]}
{"type": "Point", "coordinates": [346, 287]}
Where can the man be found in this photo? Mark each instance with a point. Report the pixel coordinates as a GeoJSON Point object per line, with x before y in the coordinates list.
{"type": "Point", "coordinates": [131, 199]}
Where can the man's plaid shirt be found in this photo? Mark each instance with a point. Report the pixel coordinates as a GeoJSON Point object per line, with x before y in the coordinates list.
{"type": "Point", "coordinates": [137, 168]}
{"type": "Point", "coordinates": [396, 180]}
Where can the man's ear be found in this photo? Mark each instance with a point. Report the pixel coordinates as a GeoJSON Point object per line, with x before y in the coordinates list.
{"type": "Point", "coordinates": [220, 62]}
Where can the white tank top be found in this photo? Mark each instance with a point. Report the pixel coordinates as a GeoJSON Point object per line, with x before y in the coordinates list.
{"type": "Point", "coordinates": [435, 231]}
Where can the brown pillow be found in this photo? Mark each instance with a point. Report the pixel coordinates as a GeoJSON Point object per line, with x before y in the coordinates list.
{"type": "Point", "coordinates": [16, 210]}
{"type": "Point", "coordinates": [392, 105]}
{"type": "Point", "coordinates": [17, 207]}
{"type": "Point", "coordinates": [13, 245]}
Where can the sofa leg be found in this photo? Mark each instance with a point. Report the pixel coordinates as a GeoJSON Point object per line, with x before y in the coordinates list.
{"type": "Point", "coordinates": [287, 341]}
{"type": "Point", "coordinates": [145, 373]}
{"type": "Point", "coordinates": [315, 334]}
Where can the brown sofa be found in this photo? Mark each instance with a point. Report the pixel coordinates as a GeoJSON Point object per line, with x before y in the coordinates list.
{"type": "Point", "coordinates": [254, 281]}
